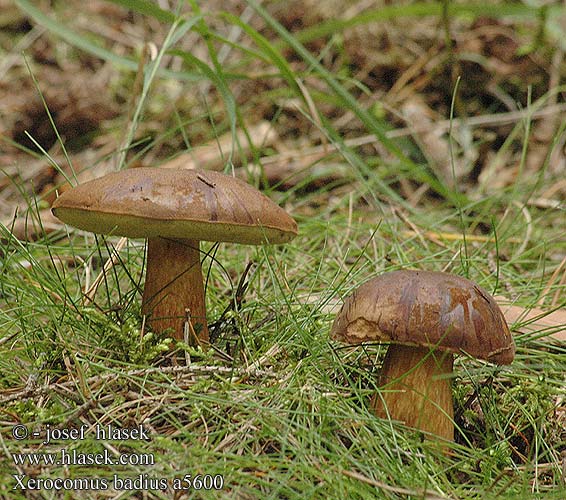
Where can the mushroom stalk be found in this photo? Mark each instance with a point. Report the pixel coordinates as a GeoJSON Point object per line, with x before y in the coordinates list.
{"type": "Point", "coordinates": [174, 288]}
{"type": "Point", "coordinates": [416, 389]}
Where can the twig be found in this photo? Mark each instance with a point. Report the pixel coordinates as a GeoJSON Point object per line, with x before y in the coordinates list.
{"type": "Point", "coordinates": [476, 121]}
{"type": "Point", "coordinates": [436, 236]}
{"type": "Point", "coordinates": [559, 288]}
{"type": "Point", "coordinates": [550, 283]}
{"type": "Point", "coordinates": [528, 230]}
{"type": "Point", "coordinates": [91, 292]}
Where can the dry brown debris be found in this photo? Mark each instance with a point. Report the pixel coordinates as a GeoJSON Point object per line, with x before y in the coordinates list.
{"type": "Point", "coordinates": [404, 66]}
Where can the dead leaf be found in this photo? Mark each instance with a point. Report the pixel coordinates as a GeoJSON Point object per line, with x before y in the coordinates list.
{"type": "Point", "coordinates": [29, 228]}
{"type": "Point", "coordinates": [213, 155]}
{"type": "Point", "coordinates": [535, 319]}
{"type": "Point", "coordinates": [430, 138]}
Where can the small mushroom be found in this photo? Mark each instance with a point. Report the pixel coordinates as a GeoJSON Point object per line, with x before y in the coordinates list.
{"type": "Point", "coordinates": [174, 210]}
{"type": "Point", "coordinates": [427, 317]}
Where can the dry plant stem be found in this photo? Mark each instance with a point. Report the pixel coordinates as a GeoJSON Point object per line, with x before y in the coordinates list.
{"type": "Point", "coordinates": [173, 285]}
{"type": "Point", "coordinates": [417, 389]}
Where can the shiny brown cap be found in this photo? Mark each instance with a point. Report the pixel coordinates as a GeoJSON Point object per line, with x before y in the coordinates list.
{"type": "Point", "coordinates": [424, 308]}
{"type": "Point", "coordinates": [192, 204]}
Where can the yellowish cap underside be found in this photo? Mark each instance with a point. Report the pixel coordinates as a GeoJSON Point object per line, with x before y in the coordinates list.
{"type": "Point", "coordinates": [143, 227]}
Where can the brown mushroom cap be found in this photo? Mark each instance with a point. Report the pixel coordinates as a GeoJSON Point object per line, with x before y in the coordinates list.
{"type": "Point", "coordinates": [153, 202]}
{"type": "Point", "coordinates": [423, 308]}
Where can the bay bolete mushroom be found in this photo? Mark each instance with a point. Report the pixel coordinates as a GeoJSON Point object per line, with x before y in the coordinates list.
{"type": "Point", "coordinates": [427, 317]}
{"type": "Point", "coordinates": [175, 210]}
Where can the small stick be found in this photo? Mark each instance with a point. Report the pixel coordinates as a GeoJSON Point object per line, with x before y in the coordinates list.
{"type": "Point", "coordinates": [91, 292]}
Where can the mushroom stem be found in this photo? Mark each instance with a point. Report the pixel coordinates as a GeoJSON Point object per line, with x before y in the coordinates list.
{"type": "Point", "coordinates": [173, 286]}
{"type": "Point", "coordinates": [416, 389]}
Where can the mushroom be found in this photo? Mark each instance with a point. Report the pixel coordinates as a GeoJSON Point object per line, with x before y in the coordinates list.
{"type": "Point", "coordinates": [174, 210]}
{"type": "Point", "coordinates": [427, 317]}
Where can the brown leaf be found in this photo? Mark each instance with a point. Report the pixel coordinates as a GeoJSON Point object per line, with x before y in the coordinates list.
{"type": "Point", "coordinates": [535, 319]}
{"type": "Point", "coordinates": [431, 139]}
{"type": "Point", "coordinates": [213, 155]}
{"type": "Point", "coordinates": [29, 228]}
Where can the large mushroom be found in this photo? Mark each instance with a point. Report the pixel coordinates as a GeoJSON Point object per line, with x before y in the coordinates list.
{"type": "Point", "coordinates": [427, 317]}
{"type": "Point", "coordinates": [175, 210]}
